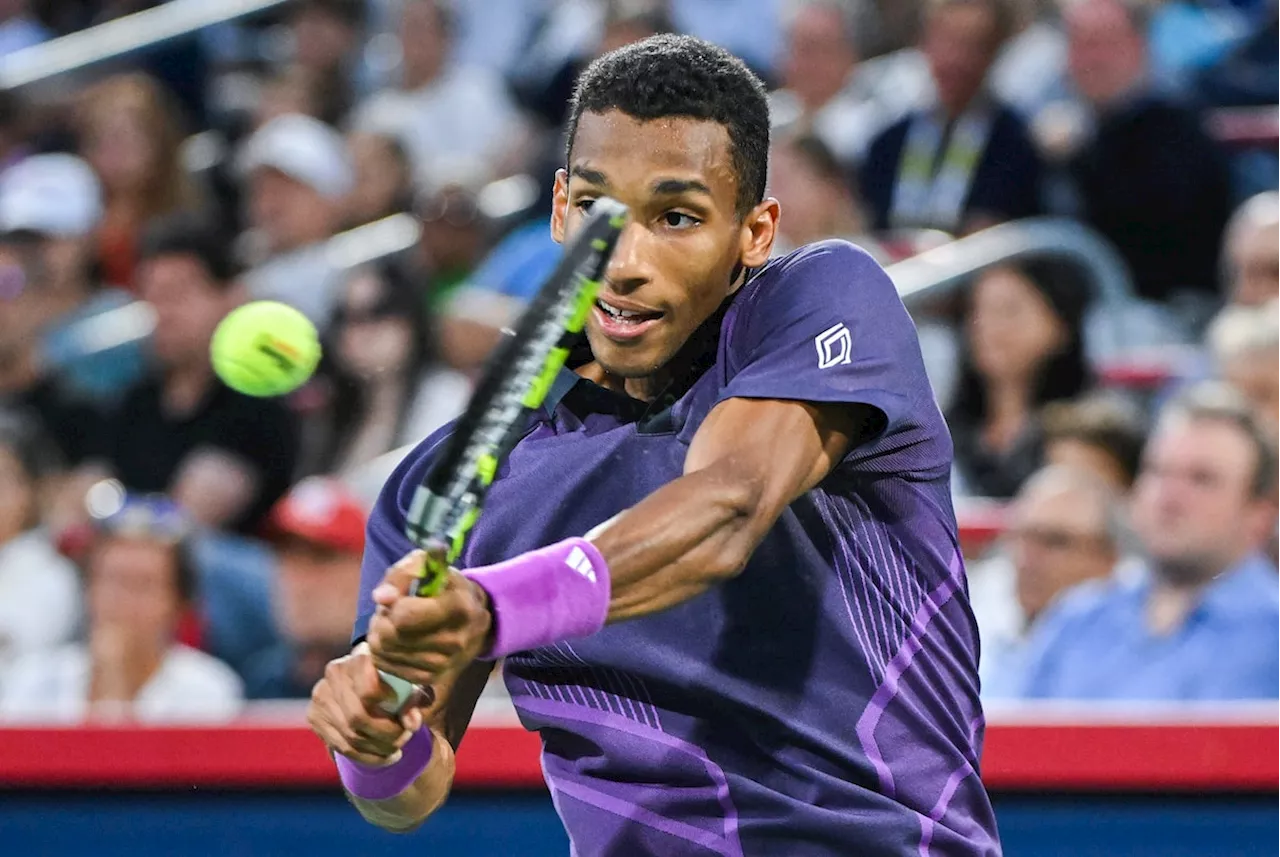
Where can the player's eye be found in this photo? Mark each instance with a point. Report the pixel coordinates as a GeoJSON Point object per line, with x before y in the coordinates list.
{"type": "Point", "coordinates": [584, 205]}
{"type": "Point", "coordinates": [679, 220]}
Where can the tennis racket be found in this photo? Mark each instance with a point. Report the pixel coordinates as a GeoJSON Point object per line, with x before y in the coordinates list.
{"type": "Point", "coordinates": [515, 381]}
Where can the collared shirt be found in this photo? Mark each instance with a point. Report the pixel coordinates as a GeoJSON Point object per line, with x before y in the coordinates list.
{"type": "Point", "coordinates": [823, 702]}
{"type": "Point", "coordinates": [1096, 643]}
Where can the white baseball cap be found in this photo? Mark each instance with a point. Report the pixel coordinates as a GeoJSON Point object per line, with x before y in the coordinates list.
{"type": "Point", "coordinates": [303, 148]}
{"type": "Point", "coordinates": [55, 194]}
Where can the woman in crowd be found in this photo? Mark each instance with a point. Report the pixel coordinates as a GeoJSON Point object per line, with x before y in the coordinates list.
{"type": "Point", "coordinates": [388, 388]}
{"type": "Point", "coordinates": [139, 583]}
{"type": "Point", "coordinates": [129, 133]}
{"type": "Point", "coordinates": [39, 589]}
{"type": "Point", "coordinates": [1022, 350]}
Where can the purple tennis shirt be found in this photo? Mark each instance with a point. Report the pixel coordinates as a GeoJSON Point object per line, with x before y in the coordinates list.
{"type": "Point", "coordinates": [825, 701]}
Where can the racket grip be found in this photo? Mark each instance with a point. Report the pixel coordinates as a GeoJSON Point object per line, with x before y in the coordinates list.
{"type": "Point", "coordinates": [404, 691]}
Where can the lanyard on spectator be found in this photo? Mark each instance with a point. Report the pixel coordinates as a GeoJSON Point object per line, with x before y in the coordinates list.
{"type": "Point", "coordinates": [925, 197]}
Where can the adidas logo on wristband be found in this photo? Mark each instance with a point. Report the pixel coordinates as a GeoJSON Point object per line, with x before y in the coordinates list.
{"type": "Point", "coordinates": [581, 563]}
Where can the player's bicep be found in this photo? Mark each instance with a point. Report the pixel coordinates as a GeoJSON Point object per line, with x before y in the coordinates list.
{"type": "Point", "coordinates": [782, 447]}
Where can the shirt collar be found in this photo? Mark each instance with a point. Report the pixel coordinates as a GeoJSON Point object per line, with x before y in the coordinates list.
{"type": "Point", "coordinates": [1244, 586]}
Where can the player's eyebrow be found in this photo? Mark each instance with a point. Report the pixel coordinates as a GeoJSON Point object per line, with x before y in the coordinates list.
{"type": "Point", "coordinates": [589, 175]}
{"type": "Point", "coordinates": [675, 187]}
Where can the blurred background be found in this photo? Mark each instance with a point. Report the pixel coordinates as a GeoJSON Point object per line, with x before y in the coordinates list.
{"type": "Point", "coordinates": [1076, 199]}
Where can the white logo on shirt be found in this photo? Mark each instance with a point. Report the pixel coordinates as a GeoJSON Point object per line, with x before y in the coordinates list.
{"type": "Point", "coordinates": [579, 562]}
{"type": "Point", "coordinates": [835, 345]}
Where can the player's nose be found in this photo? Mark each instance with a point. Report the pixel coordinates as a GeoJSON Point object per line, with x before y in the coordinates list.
{"type": "Point", "coordinates": [631, 264]}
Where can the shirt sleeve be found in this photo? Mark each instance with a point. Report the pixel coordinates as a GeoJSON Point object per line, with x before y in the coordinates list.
{"type": "Point", "coordinates": [829, 328]}
{"type": "Point", "coordinates": [385, 540]}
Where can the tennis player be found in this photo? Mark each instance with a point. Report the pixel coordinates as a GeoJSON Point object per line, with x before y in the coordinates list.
{"type": "Point", "coordinates": [722, 565]}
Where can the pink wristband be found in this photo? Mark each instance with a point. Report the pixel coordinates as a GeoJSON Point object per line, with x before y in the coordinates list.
{"type": "Point", "coordinates": [545, 596]}
{"type": "Point", "coordinates": [387, 781]}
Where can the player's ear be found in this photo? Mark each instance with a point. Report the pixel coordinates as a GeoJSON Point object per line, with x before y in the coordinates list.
{"type": "Point", "coordinates": [759, 228]}
{"type": "Point", "coordinates": [559, 206]}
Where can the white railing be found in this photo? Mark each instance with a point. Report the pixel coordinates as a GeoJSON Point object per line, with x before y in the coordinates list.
{"type": "Point", "coordinates": [943, 269]}
{"type": "Point", "coordinates": [120, 37]}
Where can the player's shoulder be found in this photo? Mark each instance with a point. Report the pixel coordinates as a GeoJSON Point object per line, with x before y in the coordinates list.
{"type": "Point", "coordinates": [828, 253]}
{"type": "Point", "coordinates": [833, 278]}
{"type": "Point", "coordinates": [825, 269]}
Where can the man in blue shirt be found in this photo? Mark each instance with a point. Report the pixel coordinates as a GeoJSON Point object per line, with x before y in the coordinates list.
{"type": "Point", "coordinates": [763, 645]}
{"type": "Point", "coordinates": [1202, 622]}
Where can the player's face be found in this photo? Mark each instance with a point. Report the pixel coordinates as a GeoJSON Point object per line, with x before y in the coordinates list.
{"type": "Point", "coordinates": [676, 260]}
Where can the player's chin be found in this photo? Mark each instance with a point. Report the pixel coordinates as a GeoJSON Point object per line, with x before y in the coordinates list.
{"type": "Point", "coordinates": [629, 359]}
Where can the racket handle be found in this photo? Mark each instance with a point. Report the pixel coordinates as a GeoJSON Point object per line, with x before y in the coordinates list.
{"type": "Point", "coordinates": [404, 691]}
{"type": "Point", "coordinates": [434, 573]}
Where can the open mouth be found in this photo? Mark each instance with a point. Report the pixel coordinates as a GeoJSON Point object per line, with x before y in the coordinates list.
{"type": "Point", "coordinates": [618, 323]}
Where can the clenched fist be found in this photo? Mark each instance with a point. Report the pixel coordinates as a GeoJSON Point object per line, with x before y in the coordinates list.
{"type": "Point", "coordinates": [348, 711]}
{"type": "Point", "coordinates": [424, 639]}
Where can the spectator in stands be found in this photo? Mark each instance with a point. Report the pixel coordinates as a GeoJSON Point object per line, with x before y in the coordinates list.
{"type": "Point", "coordinates": [318, 536]}
{"type": "Point", "coordinates": [389, 388]}
{"type": "Point", "coordinates": [327, 39]}
{"type": "Point", "coordinates": [1251, 251]}
{"type": "Point", "coordinates": [809, 183]}
{"type": "Point", "coordinates": [473, 315]}
{"type": "Point", "coordinates": [291, 89]}
{"type": "Point", "coordinates": [383, 178]}
{"type": "Point", "coordinates": [1150, 180]}
{"type": "Point", "coordinates": [39, 589]}
{"type": "Point", "coordinates": [1022, 351]}
{"type": "Point", "coordinates": [298, 174]}
{"type": "Point", "coordinates": [824, 91]}
{"type": "Point", "coordinates": [455, 236]}
{"type": "Point", "coordinates": [1202, 621]}
{"type": "Point", "coordinates": [50, 207]}
{"type": "Point", "coordinates": [1065, 528]}
{"type": "Point", "coordinates": [1098, 433]}
{"type": "Point", "coordinates": [138, 583]}
{"type": "Point", "coordinates": [129, 133]}
{"type": "Point", "coordinates": [27, 389]}
{"type": "Point", "coordinates": [225, 457]}
{"type": "Point", "coordinates": [1244, 341]}
{"type": "Point", "coordinates": [543, 79]}
{"type": "Point", "coordinates": [457, 121]}
{"type": "Point", "coordinates": [965, 162]}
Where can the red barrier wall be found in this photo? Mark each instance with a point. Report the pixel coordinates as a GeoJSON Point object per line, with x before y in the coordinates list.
{"type": "Point", "coordinates": [1208, 754]}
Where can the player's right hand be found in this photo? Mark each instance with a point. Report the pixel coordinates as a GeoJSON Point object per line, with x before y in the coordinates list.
{"type": "Point", "coordinates": [347, 712]}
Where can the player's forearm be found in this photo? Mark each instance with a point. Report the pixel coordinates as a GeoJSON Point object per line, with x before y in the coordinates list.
{"type": "Point", "coordinates": [681, 540]}
{"type": "Point", "coordinates": [407, 810]}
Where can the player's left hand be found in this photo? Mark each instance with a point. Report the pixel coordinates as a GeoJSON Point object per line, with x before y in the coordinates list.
{"type": "Point", "coordinates": [421, 639]}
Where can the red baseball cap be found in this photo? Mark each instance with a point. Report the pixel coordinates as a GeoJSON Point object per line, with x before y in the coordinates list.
{"type": "Point", "coordinates": [321, 510]}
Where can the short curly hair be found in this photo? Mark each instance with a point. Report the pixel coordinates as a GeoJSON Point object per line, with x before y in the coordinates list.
{"type": "Point", "coordinates": [681, 76]}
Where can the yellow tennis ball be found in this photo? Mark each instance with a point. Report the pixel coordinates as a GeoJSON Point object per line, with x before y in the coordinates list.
{"type": "Point", "coordinates": [265, 348]}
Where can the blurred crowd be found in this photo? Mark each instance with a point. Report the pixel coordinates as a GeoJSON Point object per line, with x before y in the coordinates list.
{"type": "Point", "coordinates": [170, 548]}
